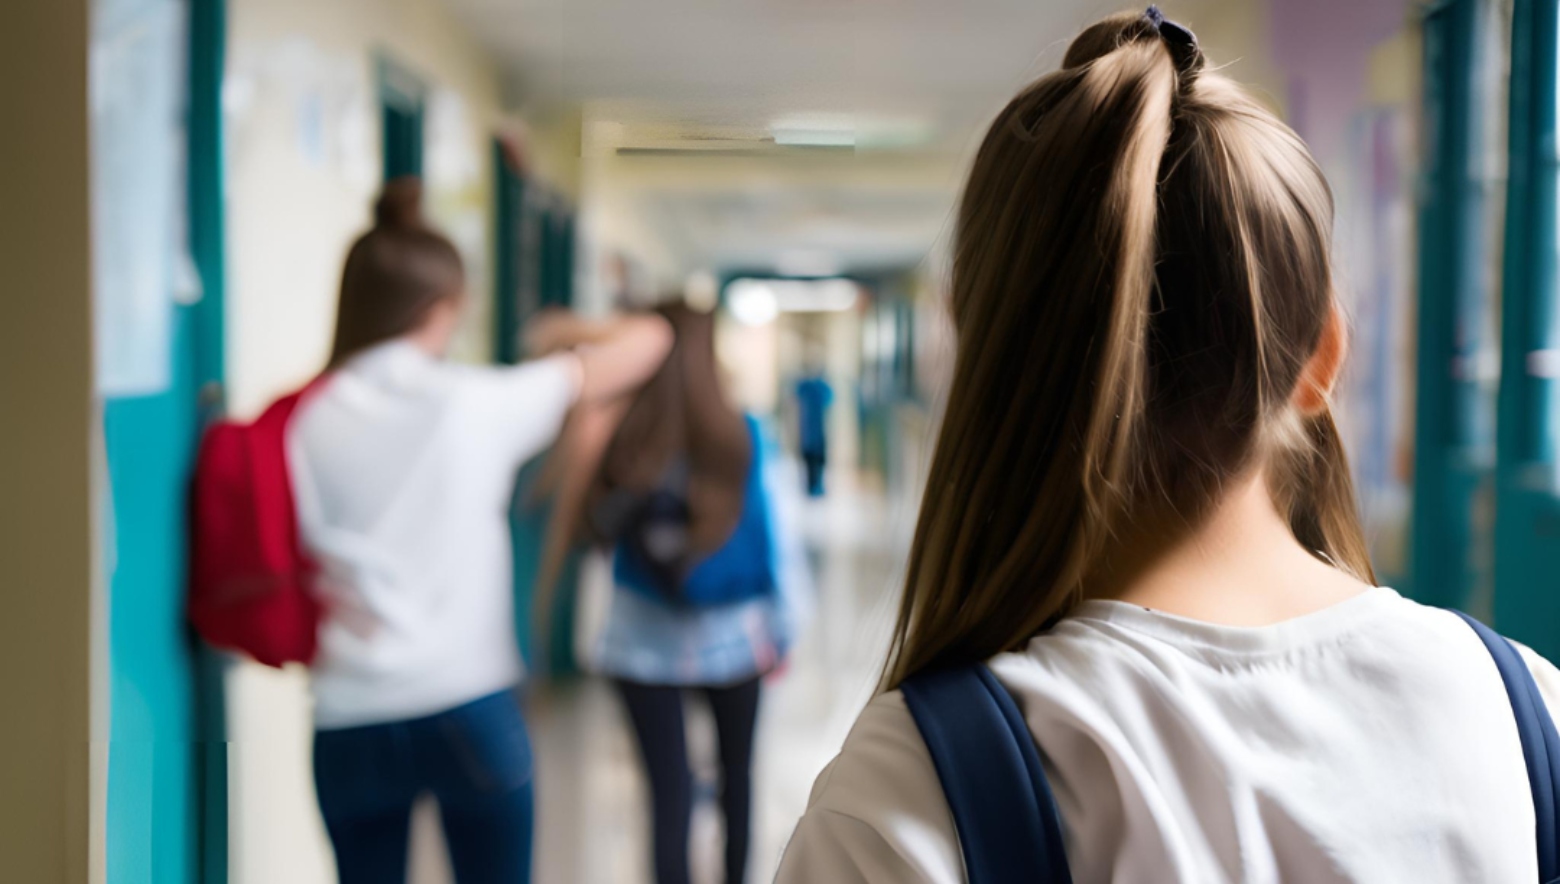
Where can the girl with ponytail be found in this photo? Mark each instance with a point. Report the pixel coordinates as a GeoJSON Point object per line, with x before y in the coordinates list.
{"type": "Point", "coordinates": [1140, 517]}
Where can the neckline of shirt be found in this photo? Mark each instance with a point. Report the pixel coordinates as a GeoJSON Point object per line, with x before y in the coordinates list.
{"type": "Point", "coordinates": [396, 366]}
{"type": "Point", "coordinates": [1307, 629]}
{"type": "Point", "coordinates": [387, 355]}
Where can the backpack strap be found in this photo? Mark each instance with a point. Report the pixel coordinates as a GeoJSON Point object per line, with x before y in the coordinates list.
{"type": "Point", "coordinates": [1540, 744]}
{"type": "Point", "coordinates": [1008, 824]}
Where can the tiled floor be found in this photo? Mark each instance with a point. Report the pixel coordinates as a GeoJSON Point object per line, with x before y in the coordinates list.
{"type": "Point", "coordinates": [592, 811]}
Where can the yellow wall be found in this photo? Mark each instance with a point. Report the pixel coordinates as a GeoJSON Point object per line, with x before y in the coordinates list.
{"type": "Point", "coordinates": [46, 519]}
{"type": "Point", "coordinates": [555, 145]}
{"type": "Point", "coordinates": [304, 166]}
{"type": "Point", "coordinates": [1234, 34]}
{"type": "Point", "coordinates": [1395, 70]}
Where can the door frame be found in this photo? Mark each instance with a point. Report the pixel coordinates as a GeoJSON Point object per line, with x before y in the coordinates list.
{"type": "Point", "coordinates": [206, 169]}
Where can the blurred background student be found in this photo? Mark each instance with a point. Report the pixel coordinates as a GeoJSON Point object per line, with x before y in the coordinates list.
{"type": "Point", "coordinates": [813, 397]}
{"type": "Point", "coordinates": [403, 466]}
{"type": "Point", "coordinates": [679, 489]}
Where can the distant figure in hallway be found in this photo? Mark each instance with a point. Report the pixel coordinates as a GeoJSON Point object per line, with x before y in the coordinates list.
{"type": "Point", "coordinates": [680, 494]}
{"type": "Point", "coordinates": [403, 465]}
{"type": "Point", "coordinates": [813, 398]}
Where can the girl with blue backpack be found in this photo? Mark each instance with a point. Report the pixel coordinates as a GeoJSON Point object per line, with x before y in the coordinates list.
{"type": "Point", "coordinates": [1140, 639]}
{"type": "Point", "coordinates": [680, 495]}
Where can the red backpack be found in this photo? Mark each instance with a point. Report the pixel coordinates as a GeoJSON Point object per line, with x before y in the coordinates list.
{"type": "Point", "coordinates": [250, 578]}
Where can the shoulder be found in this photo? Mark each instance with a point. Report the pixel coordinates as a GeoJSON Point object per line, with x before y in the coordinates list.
{"type": "Point", "coordinates": [556, 376]}
{"type": "Point", "coordinates": [1545, 675]}
{"type": "Point", "coordinates": [1449, 630]}
{"type": "Point", "coordinates": [526, 403]}
{"type": "Point", "coordinates": [877, 812]}
{"type": "Point", "coordinates": [882, 763]}
{"type": "Point", "coordinates": [1451, 626]}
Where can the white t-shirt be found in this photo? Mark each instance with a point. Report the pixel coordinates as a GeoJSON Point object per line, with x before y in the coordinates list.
{"type": "Point", "coordinates": [403, 471]}
{"type": "Point", "coordinates": [1368, 742]}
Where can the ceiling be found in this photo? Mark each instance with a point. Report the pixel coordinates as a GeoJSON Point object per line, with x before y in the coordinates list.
{"type": "Point", "coordinates": [911, 81]}
{"type": "Point", "coordinates": [743, 61]}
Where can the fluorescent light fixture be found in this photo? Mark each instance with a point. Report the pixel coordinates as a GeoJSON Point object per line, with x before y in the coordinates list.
{"type": "Point", "coordinates": [854, 130]}
{"type": "Point", "coordinates": [752, 302]}
{"type": "Point", "coordinates": [815, 137]}
{"type": "Point", "coordinates": [815, 295]}
{"type": "Point", "coordinates": [758, 301]}
{"type": "Point", "coordinates": [894, 134]}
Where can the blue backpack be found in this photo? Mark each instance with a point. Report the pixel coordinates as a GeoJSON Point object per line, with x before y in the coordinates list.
{"type": "Point", "coordinates": [651, 550]}
{"type": "Point", "coordinates": [1008, 824]}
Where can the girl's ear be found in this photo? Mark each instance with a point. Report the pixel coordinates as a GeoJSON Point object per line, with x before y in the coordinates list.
{"type": "Point", "coordinates": [1321, 371]}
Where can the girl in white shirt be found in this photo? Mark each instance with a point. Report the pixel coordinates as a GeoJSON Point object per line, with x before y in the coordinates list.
{"type": "Point", "coordinates": [1140, 513]}
{"type": "Point", "coordinates": [403, 468]}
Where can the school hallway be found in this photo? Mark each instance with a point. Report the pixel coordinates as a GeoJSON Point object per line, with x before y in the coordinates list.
{"type": "Point", "coordinates": [185, 179]}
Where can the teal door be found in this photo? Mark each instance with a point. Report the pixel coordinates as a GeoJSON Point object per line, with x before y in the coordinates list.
{"type": "Point", "coordinates": [1527, 508]}
{"type": "Point", "coordinates": [1454, 442]}
{"type": "Point", "coordinates": [167, 808]}
{"type": "Point", "coordinates": [154, 808]}
{"type": "Point", "coordinates": [533, 269]}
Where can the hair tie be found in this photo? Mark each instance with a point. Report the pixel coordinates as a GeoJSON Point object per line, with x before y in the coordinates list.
{"type": "Point", "coordinates": [1179, 39]}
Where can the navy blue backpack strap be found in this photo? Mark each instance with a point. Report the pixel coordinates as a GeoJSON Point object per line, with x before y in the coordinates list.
{"type": "Point", "coordinates": [1540, 744]}
{"type": "Point", "coordinates": [1009, 828]}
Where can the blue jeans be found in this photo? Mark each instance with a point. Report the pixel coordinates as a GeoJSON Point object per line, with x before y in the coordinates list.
{"type": "Point", "coordinates": [475, 759]}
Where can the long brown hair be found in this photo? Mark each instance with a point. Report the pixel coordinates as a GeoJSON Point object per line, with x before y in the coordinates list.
{"type": "Point", "coordinates": [394, 273]}
{"type": "Point", "coordinates": [627, 445]}
{"type": "Point", "coordinates": [681, 412]}
{"type": "Point", "coordinates": [1141, 272]}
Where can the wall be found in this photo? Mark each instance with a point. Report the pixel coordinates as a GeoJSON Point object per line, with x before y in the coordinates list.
{"type": "Point", "coordinates": [555, 144]}
{"type": "Point", "coordinates": [304, 166]}
{"type": "Point", "coordinates": [1235, 36]}
{"type": "Point", "coordinates": [47, 543]}
{"type": "Point", "coordinates": [1353, 71]}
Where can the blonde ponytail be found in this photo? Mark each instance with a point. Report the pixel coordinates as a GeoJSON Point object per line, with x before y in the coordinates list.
{"type": "Point", "coordinates": [1131, 208]}
{"type": "Point", "coordinates": [1052, 332]}
{"type": "Point", "coordinates": [1140, 272]}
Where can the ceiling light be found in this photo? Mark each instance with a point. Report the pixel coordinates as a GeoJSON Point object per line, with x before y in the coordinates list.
{"type": "Point", "coordinates": [815, 137]}
{"type": "Point", "coordinates": [758, 301]}
{"type": "Point", "coordinates": [752, 302]}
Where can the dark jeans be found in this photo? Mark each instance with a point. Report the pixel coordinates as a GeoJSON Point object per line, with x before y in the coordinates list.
{"type": "Point", "coordinates": [475, 759]}
{"type": "Point", "coordinates": [657, 715]}
{"type": "Point", "coordinates": [814, 462]}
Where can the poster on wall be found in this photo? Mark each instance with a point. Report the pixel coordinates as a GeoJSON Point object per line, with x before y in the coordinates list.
{"type": "Point", "coordinates": [139, 261]}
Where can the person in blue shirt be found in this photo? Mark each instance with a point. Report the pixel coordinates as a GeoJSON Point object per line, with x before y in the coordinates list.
{"type": "Point", "coordinates": [813, 397]}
